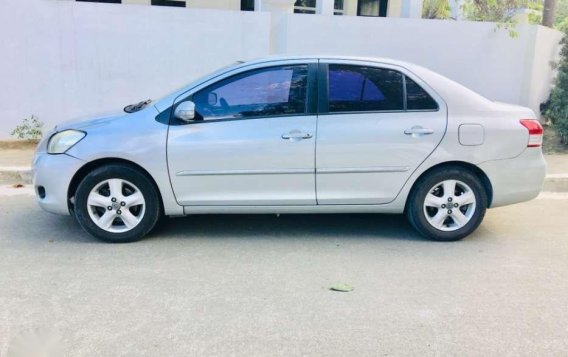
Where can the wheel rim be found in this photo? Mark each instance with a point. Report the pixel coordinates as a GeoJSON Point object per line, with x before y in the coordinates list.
{"type": "Point", "coordinates": [116, 205]}
{"type": "Point", "coordinates": [449, 205]}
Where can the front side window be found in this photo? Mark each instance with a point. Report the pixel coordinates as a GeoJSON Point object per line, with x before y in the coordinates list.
{"type": "Point", "coordinates": [363, 89]}
{"type": "Point", "coordinates": [274, 91]}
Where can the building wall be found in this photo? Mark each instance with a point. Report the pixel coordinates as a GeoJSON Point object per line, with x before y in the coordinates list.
{"type": "Point", "coordinates": [62, 59]}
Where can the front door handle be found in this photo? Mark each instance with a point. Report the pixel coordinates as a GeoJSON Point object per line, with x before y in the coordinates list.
{"type": "Point", "coordinates": [416, 131]}
{"type": "Point", "coordinates": [296, 135]}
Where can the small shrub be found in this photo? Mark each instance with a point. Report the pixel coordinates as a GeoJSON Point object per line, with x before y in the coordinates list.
{"type": "Point", "coordinates": [29, 129]}
{"type": "Point", "coordinates": [557, 108]}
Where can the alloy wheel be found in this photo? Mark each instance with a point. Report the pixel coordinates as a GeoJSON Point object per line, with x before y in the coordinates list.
{"type": "Point", "coordinates": [449, 205]}
{"type": "Point", "coordinates": [116, 205]}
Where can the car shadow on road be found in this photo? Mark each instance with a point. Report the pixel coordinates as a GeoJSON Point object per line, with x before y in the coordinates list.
{"type": "Point", "coordinates": [290, 225]}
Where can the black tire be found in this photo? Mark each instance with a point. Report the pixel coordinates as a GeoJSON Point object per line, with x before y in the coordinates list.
{"type": "Point", "coordinates": [148, 217]}
{"type": "Point", "coordinates": [415, 211]}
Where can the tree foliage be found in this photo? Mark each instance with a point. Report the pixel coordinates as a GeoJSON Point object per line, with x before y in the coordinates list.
{"type": "Point", "coordinates": [436, 9]}
{"type": "Point", "coordinates": [557, 110]}
{"type": "Point", "coordinates": [492, 10]}
{"type": "Point", "coordinates": [502, 12]}
{"type": "Point", "coordinates": [561, 22]}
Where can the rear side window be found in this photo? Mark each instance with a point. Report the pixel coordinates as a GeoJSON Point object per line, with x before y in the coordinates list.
{"type": "Point", "coordinates": [417, 98]}
{"type": "Point", "coordinates": [363, 89]}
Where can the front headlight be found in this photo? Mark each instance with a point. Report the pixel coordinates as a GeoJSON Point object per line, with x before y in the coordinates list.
{"type": "Point", "coordinates": [63, 141]}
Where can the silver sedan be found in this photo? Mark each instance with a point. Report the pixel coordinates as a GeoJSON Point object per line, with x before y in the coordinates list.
{"type": "Point", "coordinates": [296, 135]}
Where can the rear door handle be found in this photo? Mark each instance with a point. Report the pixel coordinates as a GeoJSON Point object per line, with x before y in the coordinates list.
{"type": "Point", "coordinates": [418, 131]}
{"type": "Point", "coordinates": [296, 135]}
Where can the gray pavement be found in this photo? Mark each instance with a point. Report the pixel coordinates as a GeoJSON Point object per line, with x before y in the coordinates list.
{"type": "Point", "coordinates": [258, 286]}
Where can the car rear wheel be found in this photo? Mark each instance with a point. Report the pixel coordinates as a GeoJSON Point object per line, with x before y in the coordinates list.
{"type": "Point", "coordinates": [447, 204]}
{"type": "Point", "coordinates": [117, 203]}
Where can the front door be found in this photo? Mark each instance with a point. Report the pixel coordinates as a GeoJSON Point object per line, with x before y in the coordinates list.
{"type": "Point", "coordinates": [376, 126]}
{"type": "Point", "coordinates": [252, 143]}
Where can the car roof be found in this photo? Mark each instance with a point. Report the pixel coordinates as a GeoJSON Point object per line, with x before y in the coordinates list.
{"type": "Point", "coordinates": [450, 91]}
{"type": "Point", "coordinates": [273, 58]}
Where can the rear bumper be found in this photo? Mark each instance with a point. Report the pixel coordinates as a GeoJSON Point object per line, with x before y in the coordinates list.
{"type": "Point", "coordinates": [52, 175]}
{"type": "Point", "coordinates": [516, 180]}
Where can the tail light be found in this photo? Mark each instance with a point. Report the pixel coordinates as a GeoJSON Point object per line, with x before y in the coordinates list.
{"type": "Point", "coordinates": [535, 132]}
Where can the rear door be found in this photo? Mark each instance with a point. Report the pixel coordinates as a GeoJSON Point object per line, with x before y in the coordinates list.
{"type": "Point", "coordinates": [376, 125]}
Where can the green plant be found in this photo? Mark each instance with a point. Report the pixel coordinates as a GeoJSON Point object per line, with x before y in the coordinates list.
{"type": "Point", "coordinates": [29, 129]}
{"type": "Point", "coordinates": [503, 12]}
{"type": "Point", "coordinates": [535, 16]}
{"type": "Point", "coordinates": [561, 22]}
{"type": "Point", "coordinates": [436, 9]}
{"type": "Point", "coordinates": [557, 107]}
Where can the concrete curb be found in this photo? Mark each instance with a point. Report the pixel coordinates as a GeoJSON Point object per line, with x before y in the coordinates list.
{"type": "Point", "coordinates": [16, 174]}
{"type": "Point", "coordinates": [23, 174]}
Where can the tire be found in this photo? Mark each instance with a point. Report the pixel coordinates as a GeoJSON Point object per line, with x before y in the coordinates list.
{"type": "Point", "coordinates": [432, 209]}
{"type": "Point", "coordinates": [117, 204]}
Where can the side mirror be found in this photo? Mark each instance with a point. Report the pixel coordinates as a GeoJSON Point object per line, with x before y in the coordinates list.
{"type": "Point", "coordinates": [185, 111]}
{"type": "Point", "coordinates": [212, 99]}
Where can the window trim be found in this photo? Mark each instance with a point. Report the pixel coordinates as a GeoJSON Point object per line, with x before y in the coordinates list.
{"type": "Point", "coordinates": [311, 94]}
{"type": "Point", "coordinates": [323, 87]}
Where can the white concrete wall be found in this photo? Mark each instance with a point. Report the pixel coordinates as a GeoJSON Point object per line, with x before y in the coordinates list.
{"type": "Point", "coordinates": [487, 60]}
{"type": "Point", "coordinates": [62, 59]}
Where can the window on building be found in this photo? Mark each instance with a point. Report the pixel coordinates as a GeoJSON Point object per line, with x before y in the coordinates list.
{"type": "Point", "coordinates": [364, 89]}
{"type": "Point", "coordinates": [247, 5]}
{"type": "Point", "coordinates": [309, 7]}
{"type": "Point", "coordinates": [417, 98]}
{"type": "Point", "coordinates": [274, 91]}
{"type": "Point", "coordinates": [176, 3]}
{"type": "Point", "coordinates": [376, 8]}
{"type": "Point", "coordinates": [103, 1]}
{"type": "Point", "coordinates": [338, 8]}
{"type": "Point", "coordinates": [305, 7]}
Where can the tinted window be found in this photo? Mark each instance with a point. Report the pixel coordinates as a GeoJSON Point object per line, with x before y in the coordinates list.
{"type": "Point", "coordinates": [247, 5]}
{"type": "Point", "coordinates": [417, 98]}
{"type": "Point", "coordinates": [360, 89]}
{"type": "Point", "coordinates": [168, 3]}
{"type": "Point", "coordinates": [267, 92]}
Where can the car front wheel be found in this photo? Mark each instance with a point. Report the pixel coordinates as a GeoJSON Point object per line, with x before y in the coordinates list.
{"type": "Point", "coordinates": [447, 204]}
{"type": "Point", "coordinates": [117, 203]}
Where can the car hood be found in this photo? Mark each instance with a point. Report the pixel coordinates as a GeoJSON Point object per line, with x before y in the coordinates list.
{"type": "Point", "coordinates": [91, 121]}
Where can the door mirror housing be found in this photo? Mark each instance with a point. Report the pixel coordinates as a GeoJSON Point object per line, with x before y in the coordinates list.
{"type": "Point", "coordinates": [185, 111]}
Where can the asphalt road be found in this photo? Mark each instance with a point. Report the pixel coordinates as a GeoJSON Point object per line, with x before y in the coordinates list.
{"type": "Point", "coordinates": [258, 286]}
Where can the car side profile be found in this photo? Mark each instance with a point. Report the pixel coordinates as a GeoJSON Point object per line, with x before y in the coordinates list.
{"type": "Point", "coordinates": [296, 135]}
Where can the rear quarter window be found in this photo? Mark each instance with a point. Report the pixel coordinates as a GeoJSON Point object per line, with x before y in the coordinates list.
{"type": "Point", "coordinates": [417, 98]}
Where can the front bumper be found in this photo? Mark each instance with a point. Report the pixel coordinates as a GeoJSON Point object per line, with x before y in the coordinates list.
{"type": "Point", "coordinates": [52, 175]}
{"type": "Point", "coordinates": [516, 180]}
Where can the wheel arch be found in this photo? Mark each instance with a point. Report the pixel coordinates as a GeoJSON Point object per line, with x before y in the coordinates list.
{"type": "Point", "coordinates": [92, 165]}
{"type": "Point", "coordinates": [460, 164]}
